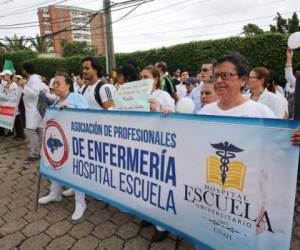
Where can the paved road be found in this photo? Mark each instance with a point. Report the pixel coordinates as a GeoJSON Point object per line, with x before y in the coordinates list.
{"type": "Point", "coordinates": [103, 227]}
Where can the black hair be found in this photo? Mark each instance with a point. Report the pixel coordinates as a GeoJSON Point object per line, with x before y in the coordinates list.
{"type": "Point", "coordinates": [209, 62]}
{"type": "Point", "coordinates": [241, 63]}
{"type": "Point", "coordinates": [68, 79]}
{"type": "Point", "coordinates": [29, 68]}
{"type": "Point", "coordinates": [134, 64]}
{"type": "Point", "coordinates": [95, 64]}
{"type": "Point", "coordinates": [162, 66]}
{"type": "Point", "coordinates": [183, 70]}
{"type": "Point", "coordinates": [129, 72]}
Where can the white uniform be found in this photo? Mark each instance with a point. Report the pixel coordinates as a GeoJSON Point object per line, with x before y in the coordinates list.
{"type": "Point", "coordinates": [31, 95]}
{"type": "Point", "coordinates": [181, 90]}
{"type": "Point", "coordinates": [163, 99]}
{"type": "Point", "coordinates": [34, 120]}
{"type": "Point", "coordinates": [247, 109]}
{"type": "Point", "coordinates": [274, 102]}
{"type": "Point", "coordinates": [107, 92]}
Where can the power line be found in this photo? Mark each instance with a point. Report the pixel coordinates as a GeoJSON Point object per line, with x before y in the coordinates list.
{"type": "Point", "coordinates": [192, 36]}
{"type": "Point", "coordinates": [208, 26]}
{"type": "Point", "coordinates": [90, 20]}
{"type": "Point", "coordinates": [19, 25]}
{"type": "Point", "coordinates": [16, 12]}
{"type": "Point", "coordinates": [205, 16]}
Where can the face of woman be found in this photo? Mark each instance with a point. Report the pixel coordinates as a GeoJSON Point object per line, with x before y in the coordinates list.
{"type": "Point", "coordinates": [146, 74]}
{"type": "Point", "coordinates": [208, 94]}
{"type": "Point", "coordinates": [254, 82]}
{"type": "Point", "coordinates": [61, 88]}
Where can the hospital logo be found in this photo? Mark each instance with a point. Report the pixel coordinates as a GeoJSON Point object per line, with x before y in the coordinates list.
{"type": "Point", "coordinates": [223, 170]}
{"type": "Point", "coordinates": [55, 145]}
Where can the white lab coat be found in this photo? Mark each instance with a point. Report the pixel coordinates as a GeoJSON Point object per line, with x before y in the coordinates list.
{"type": "Point", "coordinates": [31, 95]}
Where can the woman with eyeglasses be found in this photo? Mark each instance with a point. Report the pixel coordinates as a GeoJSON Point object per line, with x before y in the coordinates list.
{"type": "Point", "coordinates": [230, 75]}
{"type": "Point", "coordinates": [63, 88]}
{"type": "Point", "coordinates": [257, 83]}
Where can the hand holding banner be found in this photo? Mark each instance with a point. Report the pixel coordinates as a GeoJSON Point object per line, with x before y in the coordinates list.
{"type": "Point", "coordinates": [224, 191]}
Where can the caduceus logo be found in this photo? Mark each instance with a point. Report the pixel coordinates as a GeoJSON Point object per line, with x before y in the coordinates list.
{"type": "Point", "coordinates": [223, 170]}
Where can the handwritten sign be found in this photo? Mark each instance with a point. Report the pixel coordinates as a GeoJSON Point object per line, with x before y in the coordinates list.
{"type": "Point", "coordinates": [134, 96]}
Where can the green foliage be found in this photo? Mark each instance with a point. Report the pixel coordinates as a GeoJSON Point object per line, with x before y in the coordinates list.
{"type": "Point", "coordinates": [251, 30]}
{"type": "Point", "coordinates": [267, 49]}
{"type": "Point", "coordinates": [39, 44]}
{"type": "Point", "coordinates": [77, 48]}
{"type": "Point", "coordinates": [48, 66]}
{"type": "Point", "coordinates": [283, 25]}
{"type": "Point", "coordinates": [293, 23]}
{"type": "Point", "coordinates": [18, 58]}
{"type": "Point", "coordinates": [16, 43]}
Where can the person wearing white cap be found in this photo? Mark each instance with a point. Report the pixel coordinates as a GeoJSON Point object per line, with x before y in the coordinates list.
{"type": "Point", "coordinates": [9, 87]}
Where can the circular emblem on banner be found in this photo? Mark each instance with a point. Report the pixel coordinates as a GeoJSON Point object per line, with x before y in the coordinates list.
{"type": "Point", "coordinates": [55, 145]}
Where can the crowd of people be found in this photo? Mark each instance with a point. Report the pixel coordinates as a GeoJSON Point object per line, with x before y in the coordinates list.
{"type": "Point", "coordinates": [226, 86]}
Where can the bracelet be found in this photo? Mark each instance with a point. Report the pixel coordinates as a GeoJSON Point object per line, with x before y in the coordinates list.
{"type": "Point", "coordinates": [288, 65]}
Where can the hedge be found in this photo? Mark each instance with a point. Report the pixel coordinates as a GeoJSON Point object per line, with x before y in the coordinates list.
{"type": "Point", "coordinates": [18, 58]}
{"type": "Point", "coordinates": [268, 49]}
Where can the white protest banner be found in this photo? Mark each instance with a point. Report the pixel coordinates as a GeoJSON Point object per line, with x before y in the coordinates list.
{"type": "Point", "coordinates": [134, 96]}
{"type": "Point", "coordinates": [8, 109]}
{"type": "Point", "coordinates": [224, 183]}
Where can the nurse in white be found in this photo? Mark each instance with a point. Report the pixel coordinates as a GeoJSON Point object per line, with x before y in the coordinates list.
{"type": "Point", "coordinates": [257, 83]}
{"type": "Point", "coordinates": [63, 88]}
{"type": "Point", "coordinates": [160, 101]}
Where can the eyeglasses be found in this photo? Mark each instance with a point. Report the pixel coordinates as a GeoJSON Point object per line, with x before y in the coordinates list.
{"type": "Point", "coordinates": [224, 75]}
{"type": "Point", "coordinates": [204, 70]}
{"type": "Point", "coordinates": [253, 77]}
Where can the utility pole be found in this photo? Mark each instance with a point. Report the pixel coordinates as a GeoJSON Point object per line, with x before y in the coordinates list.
{"type": "Point", "coordinates": [108, 34]}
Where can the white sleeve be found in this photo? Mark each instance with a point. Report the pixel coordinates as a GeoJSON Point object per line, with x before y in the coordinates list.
{"type": "Point", "coordinates": [278, 107]}
{"type": "Point", "coordinates": [291, 80]}
{"type": "Point", "coordinates": [107, 93]}
{"type": "Point", "coordinates": [168, 102]}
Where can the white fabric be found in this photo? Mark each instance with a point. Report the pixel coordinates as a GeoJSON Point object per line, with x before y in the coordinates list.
{"type": "Point", "coordinates": [291, 80]}
{"type": "Point", "coordinates": [164, 100]}
{"type": "Point", "coordinates": [279, 89]}
{"type": "Point", "coordinates": [81, 89]}
{"type": "Point", "coordinates": [181, 90]}
{"type": "Point", "coordinates": [12, 89]}
{"type": "Point", "coordinates": [35, 139]}
{"type": "Point", "coordinates": [107, 92]}
{"type": "Point", "coordinates": [56, 191]}
{"type": "Point", "coordinates": [274, 102]}
{"type": "Point", "coordinates": [283, 101]}
{"type": "Point", "coordinates": [31, 95]}
{"type": "Point", "coordinates": [247, 109]}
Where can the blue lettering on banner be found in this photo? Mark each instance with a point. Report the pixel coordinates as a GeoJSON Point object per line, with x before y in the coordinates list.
{"type": "Point", "coordinates": [148, 191]}
{"type": "Point", "coordinates": [93, 172]}
{"type": "Point", "coordinates": [158, 166]}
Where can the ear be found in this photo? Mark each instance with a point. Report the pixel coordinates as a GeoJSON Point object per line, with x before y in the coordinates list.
{"type": "Point", "coordinates": [244, 80]}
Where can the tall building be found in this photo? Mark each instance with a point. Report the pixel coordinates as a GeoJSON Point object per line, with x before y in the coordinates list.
{"type": "Point", "coordinates": [74, 20]}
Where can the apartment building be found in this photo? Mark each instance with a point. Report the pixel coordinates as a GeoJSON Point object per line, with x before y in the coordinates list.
{"type": "Point", "coordinates": [75, 23]}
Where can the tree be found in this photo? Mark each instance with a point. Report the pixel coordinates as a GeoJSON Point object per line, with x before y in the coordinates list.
{"type": "Point", "coordinates": [40, 44]}
{"type": "Point", "coordinates": [16, 43]}
{"type": "Point", "coordinates": [251, 30]}
{"type": "Point", "coordinates": [281, 24]}
{"type": "Point", "coordinates": [77, 48]}
{"type": "Point", "coordinates": [293, 23]}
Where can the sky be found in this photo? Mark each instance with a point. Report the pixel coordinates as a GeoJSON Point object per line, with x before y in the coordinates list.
{"type": "Point", "coordinates": [160, 22]}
